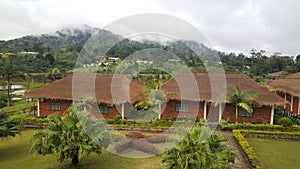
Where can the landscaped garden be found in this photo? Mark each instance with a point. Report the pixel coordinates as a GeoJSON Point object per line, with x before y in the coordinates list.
{"type": "Point", "coordinates": [15, 153]}
{"type": "Point", "coordinates": [276, 153]}
{"type": "Point", "coordinates": [268, 146]}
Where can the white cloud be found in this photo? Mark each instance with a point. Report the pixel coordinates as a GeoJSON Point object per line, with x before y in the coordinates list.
{"type": "Point", "coordinates": [231, 25]}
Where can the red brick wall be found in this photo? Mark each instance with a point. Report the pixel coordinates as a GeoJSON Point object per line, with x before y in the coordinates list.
{"type": "Point", "coordinates": [260, 114]}
{"type": "Point", "coordinates": [196, 110]}
{"type": "Point", "coordinates": [295, 104]}
{"type": "Point", "coordinates": [117, 110]}
{"type": "Point", "coordinates": [45, 107]}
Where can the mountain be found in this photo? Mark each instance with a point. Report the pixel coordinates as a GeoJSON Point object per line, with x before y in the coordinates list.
{"type": "Point", "coordinates": [71, 37]}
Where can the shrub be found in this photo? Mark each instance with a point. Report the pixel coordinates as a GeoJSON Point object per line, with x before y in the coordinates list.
{"type": "Point", "coordinates": [37, 121]}
{"type": "Point", "coordinates": [247, 149]}
{"type": "Point", "coordinates": [272, 134]}
{"type": "Point", "coordinates": [199, 149]}
{"type": "Point", "coordinates": [110, 121]}
{"type": "Point", "coordinates": [244, 145]}
{"type": "Point", "coordinates": [144, 146]}
{"type": "Point", "coordinates": [264, 127]}
{"type": "Point", "coordinates": [135, 134]}
{"type": "Point", "coordinates": [19, 118]}
{"type": "Point", "coordinates": [285, 122]}
{"type": "Point", "coordinates": [117, 119]}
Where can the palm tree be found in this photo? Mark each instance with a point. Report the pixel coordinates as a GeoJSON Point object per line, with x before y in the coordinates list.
{"type": "Point", "coordinates": [155, 97]}
{"type": "Point", "coordinates": [241, 99]}
{"type": "Point", "coordinates": [72, 136]}
{"type": "Point", "coordinates": [53, 74]}
{"type": "Point", "coordinates": [199, 149]}
{"type": "Point", "coordinates": [8, 71]}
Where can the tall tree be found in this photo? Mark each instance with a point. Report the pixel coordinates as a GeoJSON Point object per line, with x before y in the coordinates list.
{"type": "Point", "coordinates": [240, 98]}
{"type": "Point", "coordinates": [199, 149]}
{"type": "Point", "coordinates": [8, 71]}
{"type": "Point", "coordinates": [70, 137]}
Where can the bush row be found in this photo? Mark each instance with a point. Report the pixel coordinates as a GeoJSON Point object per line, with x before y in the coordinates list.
{"type": "Point", "coordinates": [263, 127]}
{"type": "Point", "coordinates": [272, 134]}
{"type": "Point", "coordinates": [239, 136]}
{"type": "Point", "coordinates": [248, 150]}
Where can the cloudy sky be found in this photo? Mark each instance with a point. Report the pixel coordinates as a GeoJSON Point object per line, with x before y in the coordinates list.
{"type": "Point", "coordinates": [230, 25]}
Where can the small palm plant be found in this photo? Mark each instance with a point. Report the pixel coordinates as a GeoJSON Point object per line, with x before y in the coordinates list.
{"type": "Point", "coordinates": [199, 149]}
{"type": "Point", "coordinates": [155, 97]}
{"type": "Point", "coordinates": [240, 98]}
{"type": "Point", "coordinates": [70, 137]}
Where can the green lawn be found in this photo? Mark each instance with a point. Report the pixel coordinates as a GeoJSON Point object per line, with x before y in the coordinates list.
{"type": "Point", "coordinates": [277, 154]}
{"type": "Point", "coordinates": [14, 153]}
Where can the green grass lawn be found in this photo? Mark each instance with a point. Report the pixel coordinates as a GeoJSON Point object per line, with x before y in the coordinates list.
{"type": "Point", "coordinates": [14, 153]}
{"type": "Point", "coordinates": [277, 154]}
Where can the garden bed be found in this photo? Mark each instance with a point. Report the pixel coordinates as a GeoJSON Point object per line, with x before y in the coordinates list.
{"type": "Point", "coordinates": [241, 135]}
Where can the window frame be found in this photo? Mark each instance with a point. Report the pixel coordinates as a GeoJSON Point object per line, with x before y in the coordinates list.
{"type": "Point", "coordinates": [182, 107]}
{"type": "Point", "coordinates": [56, 106]}
{"type": "Point", "coordinates": [103, 107]}
{"type": "Point", "coordinates": [243, 113]}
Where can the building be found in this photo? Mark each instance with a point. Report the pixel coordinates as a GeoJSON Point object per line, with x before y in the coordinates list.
{"type": "Point", "coordinates": [113, 94]}
{"type": "Point", "coordinates": [288, 88]}
{"type": "Point", "coordinates": [203, 105]}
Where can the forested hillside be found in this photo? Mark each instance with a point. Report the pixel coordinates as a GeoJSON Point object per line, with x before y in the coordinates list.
{"type": "Point", "coordinates": [61, 49]}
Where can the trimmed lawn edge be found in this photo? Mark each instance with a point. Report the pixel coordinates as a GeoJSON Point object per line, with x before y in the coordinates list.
{"type": "Point", "coordinates": [248, 150]}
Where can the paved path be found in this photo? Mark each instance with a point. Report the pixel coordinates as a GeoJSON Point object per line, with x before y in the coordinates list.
{"type": "Point", "coordinates": [241, 161]}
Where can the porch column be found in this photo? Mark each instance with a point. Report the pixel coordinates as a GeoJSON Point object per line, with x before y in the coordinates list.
{"type": "Point", "coordinates": [38, 107]}
{"type": "Point", "coordinates": [292, 102]}
{"type": "Point", "coordinates": [123, 111]}
{"type": "Point", "coordinates": [272, 115]}
{"type": "Point", "coordinates": [159, 111]}
{"type": "Point", "coordinates": [298, 105]}
{"type": "Point", "coordinates": [284, 99]}
{"type": "Point", "coordinates": [220, 112]}
{"type": "Point", "coordinates": [205, 110]}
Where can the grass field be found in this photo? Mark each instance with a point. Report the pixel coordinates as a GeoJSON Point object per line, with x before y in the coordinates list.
{"type": "Point", "coordinates": [277, 154]}
{"type": "Point", "coordinates": [14, 153]}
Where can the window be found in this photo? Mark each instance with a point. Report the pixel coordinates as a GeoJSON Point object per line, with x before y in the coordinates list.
{"type": "Point", "coordinates": [55, 106]}
{"type": "Point", "coordinates": [179, 107]}
{"type": "Point", "coordinates": [243, 113]}
{"type": "Point", "coordinates": [103, 109]}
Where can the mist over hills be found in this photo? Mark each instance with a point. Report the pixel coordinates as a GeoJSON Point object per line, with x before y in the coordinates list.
{"type": "Point", "coordinates": [76, 36]}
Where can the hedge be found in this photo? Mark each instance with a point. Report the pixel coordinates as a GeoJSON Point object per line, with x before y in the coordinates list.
{"type": "Point", "coordinates": [264, 127]}
{"type": "Point", "coordinates": [272, 134]}
{"type": "Point", "coordinates": [248, 150]}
